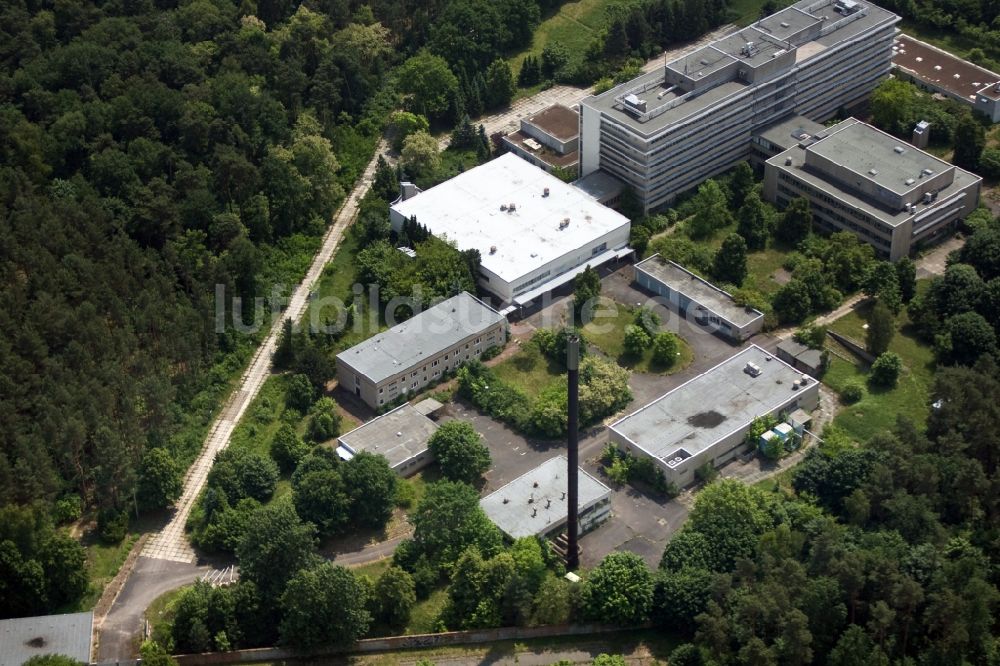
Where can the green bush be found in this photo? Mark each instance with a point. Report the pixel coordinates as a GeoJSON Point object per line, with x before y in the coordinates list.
{"type": "Point", "coordinates": [885, 370]}
{"type": "Point", "coordinates": [852, 392]}
{"type": "Point", "coordinates": [68, 509]}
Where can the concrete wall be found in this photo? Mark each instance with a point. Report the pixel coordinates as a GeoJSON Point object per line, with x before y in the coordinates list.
{"type": "Point", "coordinates": [590, 139]}
{"type": "Point", "coordinates": [412, 379]}
{"type": "Point", "coordinates": [390, 644]}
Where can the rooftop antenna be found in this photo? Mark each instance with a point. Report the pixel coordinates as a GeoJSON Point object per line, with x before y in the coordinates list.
{"type": "Point", "coordinates": [573, 453]}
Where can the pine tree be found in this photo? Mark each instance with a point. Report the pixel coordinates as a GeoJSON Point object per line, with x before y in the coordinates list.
{"type": "Point", "coordinates": [464, 136]}
{"type": "Point", "coordinates": [483, 149]}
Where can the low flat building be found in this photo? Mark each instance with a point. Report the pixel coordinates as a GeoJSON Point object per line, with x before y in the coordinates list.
{"type": "Point", "coordinates": [549, 139]}
{"type": "Point", "coordinates": [889, 193]}
{"type": "Point", "coordinates": [401, 435]}
{"type": "Point", "coordinates": [690, 296]}
{"type": "Point", "coordinates": [69, 635]}
{"type": "Point", "coordinates": [534, 504]}
{"type": "Point", "coordinates": [706, 419]}
{"type": "Point", "coordinates": [941, 72]}
{"type": "Point", "coordinates": [534, 232]}
{"type": "Point", "coordinates": [409, 356]}
{"type": "Point", "coordinates": [779, 137]}
{"type": "Point", "coordinates": [801, 357]}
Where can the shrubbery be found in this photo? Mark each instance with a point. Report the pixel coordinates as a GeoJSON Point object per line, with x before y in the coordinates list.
{"type": "Point", "coordinates": [622, 467]}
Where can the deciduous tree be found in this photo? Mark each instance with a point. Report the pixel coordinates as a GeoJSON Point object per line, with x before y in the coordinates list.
{"type": "Point", "coordinates": [460, 451]}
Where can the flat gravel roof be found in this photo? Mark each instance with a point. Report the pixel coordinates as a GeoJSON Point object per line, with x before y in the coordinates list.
{"type": "Point", "coordinates": [398, 435]}
{"type": "Point", "coordinates": [404, 345]}
{"type": "Point", "coordinates": [697, 414]}
{"type": "Point", "coordinates": [541, 491]}
{"type": "Point", "coordinates": [25, 637]}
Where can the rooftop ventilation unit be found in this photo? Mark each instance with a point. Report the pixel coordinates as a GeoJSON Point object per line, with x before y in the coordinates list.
{"type": "Point", "coordinates": [493, 249]}
{"type": "Point", "coordinates": [788, 161]}
{"type": "Point", "coordinates": [564, 223]}
{"type": "Point", "coordinates": [872, 172]}
{"type": "Point", "coordinates": [910, 181]}
{"type": "Point", "coordinates": [784, 24]}
{"type": "Point", "coordinates": [511, 208]}
{"type": "Point", "coordinates": [749, 50]}
{"type": "Point", "coordinates": [928, 198]}
{"type": "Point", "coordinates": [545, 192]}
{"type": "Point", "coordinates": [927, 172]}
{"type": "Point", "coordinates": [633, 103]}
{"type": "Point", "coordinates": [899, 150]}
{"type": "Point", "coordinates": [752, 369]}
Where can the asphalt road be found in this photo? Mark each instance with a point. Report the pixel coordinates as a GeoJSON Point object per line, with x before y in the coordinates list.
{"type": "Point", "coordinates": [121, 630]}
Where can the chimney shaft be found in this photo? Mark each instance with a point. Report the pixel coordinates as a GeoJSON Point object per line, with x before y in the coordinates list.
{"type": "Point", "coordinates": [572, 517]}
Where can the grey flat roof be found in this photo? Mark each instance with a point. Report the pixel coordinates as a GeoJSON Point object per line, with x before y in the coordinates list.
{"type": "Point", "coordinates": [789, 131]}
{"type": "Point", "coordinates": [864, 149]}
{"type": "Point", "coordinates": [821, 182]}
{"type": "Point", "coordinates": [600, 185]}
{"type": "Point", "coordinates": [558, 120]}
{"type": "Point", "coordinates": [404, 345]}
{"type": "Point", "coordinates": [801, 19]}
{"type": "Point", "coordinates": [942, 69]}
{"type": "Point", "coordinates": [705, 293]}
{"type": "Point", "coordinates": [799, 351]}
{"type": "Point", "coordinates": [25, 637]}
{"type": "Point", "coordinates": [697, 414]}
{"type": "Point", "coordinates": [545, 486]}
{"type": "Point", "coordinates": [398, 435]}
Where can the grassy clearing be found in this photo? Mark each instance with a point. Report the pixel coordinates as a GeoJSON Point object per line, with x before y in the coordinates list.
{"type": "Point", "coordinates": [574, 26]}
{"type": "Point", "coordinates": [608, 335]}
{"type": "Point", "coordinates": [425, 614]}
{"type": "Point", "coordinates": [530, 371]}
{"type": "Point", "coordinates": [761, 268]}
{"type": "Point", "coordinates": [878, 409]}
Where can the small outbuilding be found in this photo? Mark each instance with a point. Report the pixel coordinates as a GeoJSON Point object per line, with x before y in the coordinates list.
{"type": "Point", "coordinates": [534, 504]}
{"type": "Point", "coordinates": [801, 357]}
{"type": "Point", "coordinates": [690, 296]}
{"type": "Point", "coordinates": [400, 435]}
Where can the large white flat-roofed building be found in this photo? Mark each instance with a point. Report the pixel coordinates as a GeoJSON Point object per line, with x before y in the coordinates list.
{"type": "Point", "coordinates": [411, 355]}
{"type": "Point", "coordinates": [690, 296]}
{"type": "Point", "coordinates": [534, 504]}
{"type": "Point", "coordinates": [860, 179]}
{"type": "Point", "coordinates": [25, 637]}
{"type": "Point", "coordinates": [668, 130]}
{"type": "Point", "coordinates": [533, 231]}
{"type": "Point", "coordinates": [705, 420]}
{"type": "Point", "coordinates": [401, 435]}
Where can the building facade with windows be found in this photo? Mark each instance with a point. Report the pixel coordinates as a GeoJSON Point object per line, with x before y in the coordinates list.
{"type": "Point", "coordinates": [409, 356]}
{"type": "Point", "coordinates": [533, 232]}
{"type": "Point", "coordinates": [859, 179]}
{"type": "Point", "coordinates": [688, 295]}
{"type": "Point", "coordinates": [667, 131]}
{"type": "Point", "coordinates": [706, 419]}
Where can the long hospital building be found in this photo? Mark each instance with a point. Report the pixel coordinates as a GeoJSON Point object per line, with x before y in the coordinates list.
{"type": "Point", "coordinates": [668, 130]}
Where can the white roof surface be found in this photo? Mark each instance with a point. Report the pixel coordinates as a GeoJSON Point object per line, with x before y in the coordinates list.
{"type": "Point", "coordinates": [535, 502]}
{"type": "Point", "coordinates": [466, 210]}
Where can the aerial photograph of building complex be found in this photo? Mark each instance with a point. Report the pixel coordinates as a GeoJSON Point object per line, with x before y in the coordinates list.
{"type": "Point", "coordinates": [548, 332]}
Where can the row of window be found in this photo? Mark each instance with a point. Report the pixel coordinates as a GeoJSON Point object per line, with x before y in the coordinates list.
{"type": "Point", "coordinates": [391, 390]}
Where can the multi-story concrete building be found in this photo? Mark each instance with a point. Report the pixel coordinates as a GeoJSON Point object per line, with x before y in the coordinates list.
{"type": "Point", "coordinates": [668, 130]}
{"type": "Point", "coordinates": [860, 179]}
{"type": "Point", "coordinates": [533, 231]}
{"type": "Point", "coordinates": [940, 72]}
{"type": "Point", "coordinates": [550, 139]}
{"type": "Point", "coordinates": [706, 419]}
{"type": "Point", "coordinates": [688, 295]}
{"type": "Point", "coordinates": [411, 355]}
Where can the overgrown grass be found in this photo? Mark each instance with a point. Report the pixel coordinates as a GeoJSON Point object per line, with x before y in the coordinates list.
{"type": "Point", "coordinates": [878, 409]}
{"type": "Point", "coordinates": [102, 565]}
{"type": "Point", "coordinates": [761, 268]}
{"type": "Point", "coordinates": [530, 371]}
{"type": "Point", "coordinates": [575, 26]}
{"type": "Point", "coordinates": [160, 615]}
{"type": "Point", "coordinates": [425, 614]}
{"type": "Point", "coordinates": [608, 335]}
